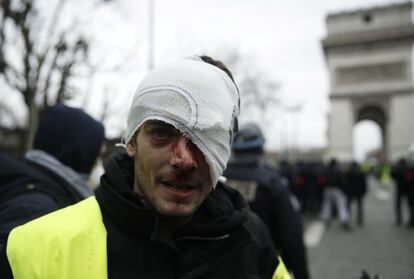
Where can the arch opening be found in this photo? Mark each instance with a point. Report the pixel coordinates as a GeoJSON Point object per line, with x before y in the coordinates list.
{"type": "Point", "coordinates": [368, 143]}
{"type": "Point", "coordinates": [369, 134]}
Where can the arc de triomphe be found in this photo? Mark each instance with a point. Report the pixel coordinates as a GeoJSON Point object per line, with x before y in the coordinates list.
{"type": "Point", "coordinates": [369, 57]}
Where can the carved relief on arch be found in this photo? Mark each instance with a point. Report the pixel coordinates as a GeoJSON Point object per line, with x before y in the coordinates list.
{"type": "Point", "coordinates": [394, 71]}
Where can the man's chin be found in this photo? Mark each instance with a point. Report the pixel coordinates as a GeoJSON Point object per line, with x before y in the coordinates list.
{"type": "Point", "coordinates": [179, 212]}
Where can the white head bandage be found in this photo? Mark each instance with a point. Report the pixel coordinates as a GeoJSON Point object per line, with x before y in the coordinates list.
{"type": "Point", "coordinates": [197, 98]}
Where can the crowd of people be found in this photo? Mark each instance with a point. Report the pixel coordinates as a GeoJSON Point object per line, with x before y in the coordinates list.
{"type": "Point", "coordinates": [336, 189]}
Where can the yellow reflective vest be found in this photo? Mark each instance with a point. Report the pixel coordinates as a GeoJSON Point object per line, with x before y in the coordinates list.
{"type": "Point", "coordinates": [53, 246]}
{"type": "Point", "coordinates": [281, 272]}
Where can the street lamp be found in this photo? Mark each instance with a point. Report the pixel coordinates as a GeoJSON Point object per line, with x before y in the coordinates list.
{"type": "Point", "coordinates": [151, 14]}
{"type": "Point", "coordinates": [294, 109]}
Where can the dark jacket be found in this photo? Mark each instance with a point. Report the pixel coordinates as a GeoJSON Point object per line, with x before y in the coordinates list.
{"type": "Point", "coordinates": [409, 180]}
{"type": "Point", "coordinates": [270, 200]}
{"type": "Point", "coordinates": [334, 176]}
{"type": "Point", "coordinates": [403, 175]}
{"type": "Point", "coordinates": [223, 240]}
{"type": "Point", "coordinates": [54, 175]}
{"type": "Point", "coordinates": [34, 187]}
{"type": "Point", "coordinates": [355, 181]}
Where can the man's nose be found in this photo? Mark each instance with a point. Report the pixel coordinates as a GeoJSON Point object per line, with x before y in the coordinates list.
{"type": "Point", "coordinates": [183, 155]}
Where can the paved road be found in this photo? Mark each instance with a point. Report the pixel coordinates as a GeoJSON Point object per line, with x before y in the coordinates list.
{"type": "Point", "coordinates": [379, 246]}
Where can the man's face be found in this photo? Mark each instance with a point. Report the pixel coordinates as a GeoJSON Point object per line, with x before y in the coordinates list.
{"type": "Point", "coordinates": [171, 173]}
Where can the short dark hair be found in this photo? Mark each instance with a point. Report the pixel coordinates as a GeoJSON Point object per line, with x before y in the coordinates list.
{"type": "Point", "coordinates": [218, 64]}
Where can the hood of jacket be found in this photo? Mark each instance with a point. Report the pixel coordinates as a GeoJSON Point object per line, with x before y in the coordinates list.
{"type": "Point", "coordinates": [73, 180]}
{"type": "Point", "coordinates": [71, 136]}
{"type": "Point", "coordinates": [246, 159]}
{"type": "Point", "coordinates": [222, 212]}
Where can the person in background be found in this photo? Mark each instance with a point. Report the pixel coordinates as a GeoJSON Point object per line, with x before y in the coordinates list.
{"type": "Point", "coordinates": [54, 174]}
{"type": "Point", "coordinates": [160, 210]}
{"type": "Point", "coordinates": [300, 182]}
{"type": "Point", "coordinates": [285, 170]}
{"type": "Point", "coordinates": [356, 188]}
{"type": "Point", "coordinates": [334, 197]}
{"type": "Point", "coordinates": [268, 197]}
{"type": "Point", "coordinates": [409, 178]}
{"type": "Point", "coordinates": [403, 174]}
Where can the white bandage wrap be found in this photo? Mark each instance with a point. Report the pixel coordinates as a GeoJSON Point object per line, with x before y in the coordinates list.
{"type": "Point", "coordinates": [195, 97]}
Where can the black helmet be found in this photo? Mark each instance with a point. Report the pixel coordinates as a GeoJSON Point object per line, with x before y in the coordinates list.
{"type": "Point", "coordinates": [248, 139]}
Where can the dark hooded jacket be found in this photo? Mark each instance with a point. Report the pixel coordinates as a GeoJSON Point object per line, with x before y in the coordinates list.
{"type": "Point", "coordinates": [223, 240]}
{"type": "Point", "coordinates": [70, 135]}
{"type": "Point", "coordinates": [355, 181]}
{"type": "Point", "coordinates": [53, 175]}
{"type": "Point", "coordinates": [269, 199]}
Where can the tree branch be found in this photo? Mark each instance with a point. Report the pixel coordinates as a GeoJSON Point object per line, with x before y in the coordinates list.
{"type": "Point", "coordinates": [53, 23]}
{"type": "Point", "coordinates": [13, 78]}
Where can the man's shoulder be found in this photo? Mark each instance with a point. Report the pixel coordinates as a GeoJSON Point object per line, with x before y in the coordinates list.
{"type": "Point", "coordinates": [273, 182]}
{"type": "Point", "coordinates": [68, 241]}
{"type": "Point", "coordinates": [257, 229]}
{"type": "Point", "coordinates": [67, 221]}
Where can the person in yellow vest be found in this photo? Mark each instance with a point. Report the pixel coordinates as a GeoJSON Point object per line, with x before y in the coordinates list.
{"type": "Point", "coordinates": [161, 210]}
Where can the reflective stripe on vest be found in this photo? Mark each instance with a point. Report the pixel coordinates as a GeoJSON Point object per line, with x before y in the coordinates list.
{"type": "Point", "coordinates": [281, 271]}
{"type": "Point", "coordinates": [66, 244]}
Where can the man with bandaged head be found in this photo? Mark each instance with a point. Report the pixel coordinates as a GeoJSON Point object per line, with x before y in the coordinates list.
{"type": "Point", "coordinates": [160, 211]}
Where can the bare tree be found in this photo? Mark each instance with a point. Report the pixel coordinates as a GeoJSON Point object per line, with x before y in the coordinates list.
{"type": "Point", "coordinates": [258, 89]}
{"type": "Point", "coordinates": [37, 59]}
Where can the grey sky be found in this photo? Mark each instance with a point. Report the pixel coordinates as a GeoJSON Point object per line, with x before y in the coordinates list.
{"type": "Point", "coordinates": [280, 37]}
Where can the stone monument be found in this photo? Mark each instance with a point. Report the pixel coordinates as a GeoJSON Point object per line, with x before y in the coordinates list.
{"type": "Point", "coordinates": [369, 58]}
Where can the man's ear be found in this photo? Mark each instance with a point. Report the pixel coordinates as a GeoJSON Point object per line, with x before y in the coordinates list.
{"type": "Point", "coordinates": [131, 148]}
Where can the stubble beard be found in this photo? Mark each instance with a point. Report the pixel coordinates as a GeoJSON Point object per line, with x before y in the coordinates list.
{"type": "Point", "coordinates": [142, 183]}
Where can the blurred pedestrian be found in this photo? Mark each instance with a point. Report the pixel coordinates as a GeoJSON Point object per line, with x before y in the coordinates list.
{"type": "Point", "coordinates": [314, 188]}
{"type": "Point", "coordinates": [54, 174]}
{"type": "Point", "coordinates": [334, 197]}
{"type": "Point", "coordinates": [321, 183]}
{"type": "Point", "coordinates": [355, 188]}
{"type": "Point", "coordinates": [160, 210]}
{"type": "Point", "coordinates": [268, 197]}
{"type": "Point", "coordinates": [409, 178]}
{"type": "Point", "coordinates": [403, 175]}
{"type": "Point", "coordinates": [285, 170]}
{"type": "Point", "coordinates": [300, 180]}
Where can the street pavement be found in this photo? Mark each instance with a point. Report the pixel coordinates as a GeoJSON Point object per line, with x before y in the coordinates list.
{"type": "Point", "coordinates": [379, 247]}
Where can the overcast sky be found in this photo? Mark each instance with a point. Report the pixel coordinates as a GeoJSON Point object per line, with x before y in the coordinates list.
{"type": "Point", "coordinates": [281, 38]}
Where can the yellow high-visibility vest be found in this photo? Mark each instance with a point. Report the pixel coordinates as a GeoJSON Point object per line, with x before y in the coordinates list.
{"type": "Point", "coordinates": [53, 246]}
{"type": "Point", "coordinates": [281, 272]}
